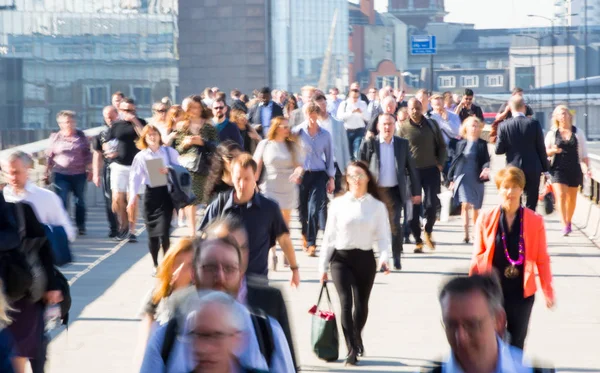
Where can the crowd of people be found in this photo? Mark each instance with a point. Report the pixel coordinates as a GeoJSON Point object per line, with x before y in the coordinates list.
{"type": "Point", "coordinates": [366, 170]}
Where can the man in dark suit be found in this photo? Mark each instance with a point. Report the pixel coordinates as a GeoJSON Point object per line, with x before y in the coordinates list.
{"type": "Point", "coordinates": [254, 292]}
{"type": "Point", "coordinates": [260, 115]}
{"type": "Point", "coordinates": [389, 161]}
{"type": "Point", "coordinates": [521, 139]}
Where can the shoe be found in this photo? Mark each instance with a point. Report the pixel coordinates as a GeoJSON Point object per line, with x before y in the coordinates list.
{"type": "Point", "coordinates": [419, 248]}
{"type": "Point", "coordinates": [113, 234]}
{"type": "Point", "coordinates": [429, 242]}
{"type": "Point", "coordinates": [351, 358]}
{"type": "Point", "coordinates": [81, 232]}
{"type": "Point", "coordinates": [398, 267]}
{"type": "Point", "coordinates": [407, 240]}
{"type": "Point", "coordinates": [360, 349]}
{"type": "Point", "coordinates": [569, 229]}
{"type": "Point", "coordinates": [154, 272]}
{"type": "Point", "coordinates": [274, 260]}
{"type": "Point", "coordinates": [132, 238]}
{"type": "Point", "coordinates": [123, 235]}
{"type": "Point", "coordinates": [312, 250]}
{"type": "Point", "coordinates": [466, 240]}
{"type": "Point", "coordinates": [565, 231]}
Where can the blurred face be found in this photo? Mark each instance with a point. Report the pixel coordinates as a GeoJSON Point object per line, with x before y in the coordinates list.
{"type": "Point", "coordinates": [218, 109]}
{"type": "Point", "coordinates": [402, 115]}
{"type": "Point", "coordinates": [386, 127]}
{"type": "Point", "coordinates": [354, 86]}
{"type": "Point", "coordinates": [415, 110]}
{"type": "Point", "coordinates": [15, 173]}
{"type": "Point", "coordinates": [390, 107]}
{"type": "Point", "coordinates": [471, 327]}
{"type": "Point", "coordinates": [219, 269]}
{"type": "Point", "coordinates": [240, 237]}
{"type": "Point", "coordinates": [354, 96]}
{"type": "Point", "coordinates": [307, 95]}
{"type": "Point", "coordinates": [282, 97]}
{"type": "Point", "coordinates": [194, 109]}
{"type": "Point", "coordinates": [183, 261]}
{"type": "Point", "coordinates": [313, 117]}
{"type": "Point", "coordinates": [153, 139]}
{"type": "Point", "coordinates": [110, 116]}
{"type": "Point", "coordinates": [244, 182]}
{"type": "Point", "coordinates": [322, 105]}
{"type": "Point", "coordinates": [510, 193]}
{"type": "Point", "coordinates": [213, 339]}
{"type": "Point", "coordinates": [116, 101]}
{"type": "Point", "coordinates": [160, 112]}
{"type": "Point", "coordinates": [264, 98]}
{"type": "Point", "coordinates": [357, 180]}
{"type": "Point", "coordinates": [333, 93]}
{"type": "Point", "coordinates": [437, 104]}
{"type": "Point", "coordinates": [473, 129]}
{"type": "Point", "coordinates": [468, 100]}
{"type": "Point", "coordinates": [371, 95]}
{"type": "Point", "coordinates": [424, 98]}
{"type": "Point", "coordinates": [127, 110]}
{"type": "Point", "coordinates": [518, 94]}
{"type": "Point", "coordinates": [283, 130]}
{"type": "Point", "coordinates": [67, 124]}
{"type": "Point", "coordinates": [563, 117]}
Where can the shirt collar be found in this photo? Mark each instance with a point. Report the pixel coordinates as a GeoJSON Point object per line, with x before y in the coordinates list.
{"type": "Point", "coordinates": [518, 114]}
{"type": "Point", "coordinates": [255, 200]}
{"type": "Point", "coordinates": [28, 189]}
{"type": "Point", "coordinates": [509, 360]}
{"type": "Point", "coordinates": [361, 199]}
{"type": "Point", "coordinates": [304, 126]}
{"type": "Point", "coordinates": [382, 140]}
{"type": "Point", "coordinates": [269, 105]}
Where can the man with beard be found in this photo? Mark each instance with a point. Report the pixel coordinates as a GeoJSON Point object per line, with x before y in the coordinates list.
{"type": "Point", "coordinates": [226, 129]}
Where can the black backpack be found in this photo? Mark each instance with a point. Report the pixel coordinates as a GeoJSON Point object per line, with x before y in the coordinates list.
{"type": "Point", "coordinates": [262, 328]}
{"type": "Point", "coordinates": [180, 185]}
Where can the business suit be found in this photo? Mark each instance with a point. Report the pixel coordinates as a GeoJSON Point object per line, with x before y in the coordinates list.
{"type": "Point", "coordinates": [255, 115]}
{"type": "Point", "coordinates": [370, 152]}
{"type": "Point", "coordinates": [522, 140]}
{"type": "Point", "coordinates": [270, 300]}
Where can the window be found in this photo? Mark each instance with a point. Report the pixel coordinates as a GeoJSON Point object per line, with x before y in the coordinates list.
{"type": "Point", "coordinates": [316, 64]}
{"type": "Point", "coordinates": [525, 77]}
{"type": "Point", "coordinates": [142, 95]}
{"type": "Point", "coordinates": [494, 80]}
{"type": "Point", "coordinates": [379, 82]}
{"type": "Point", "coordinates": [97, 96]}
{"type": "Point", "coordinates": [446, 82]}
{"type": "Point", "coordinates": [301, 68]}
{"type": "Point", "coordinates": [469, 81]}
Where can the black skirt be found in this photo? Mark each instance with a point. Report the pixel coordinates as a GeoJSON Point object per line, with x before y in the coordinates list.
{"type": "Point", "coordinates": [158, 211]}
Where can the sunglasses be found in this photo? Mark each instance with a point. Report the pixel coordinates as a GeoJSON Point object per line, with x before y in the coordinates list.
{"type": "Point", "coordinates": [160, 111]}
{"type": "Point", "coordinates": [128, 110]}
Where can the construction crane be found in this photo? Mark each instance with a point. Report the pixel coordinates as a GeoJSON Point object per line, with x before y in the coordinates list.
{"type": "Point", "coordinates": [325, 68]}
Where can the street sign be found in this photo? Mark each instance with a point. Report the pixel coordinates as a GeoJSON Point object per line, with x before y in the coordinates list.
{"type": "Point", "coordinates": [423, 44]}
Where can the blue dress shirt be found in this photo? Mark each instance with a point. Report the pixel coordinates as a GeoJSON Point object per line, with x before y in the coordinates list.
{"type": "Point", "coordinates": [266, 112]}
{"type": "Point", "coordinates": [318, 149]}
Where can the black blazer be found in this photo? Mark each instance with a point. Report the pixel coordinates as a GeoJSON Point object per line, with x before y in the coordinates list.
{"type": "Point", "coordinates": [522, 140]}
{"type": "Point", "coordinates": [270, 300]}
{"type": "Point", "coordinates": [254, 113]}
{"type": "Point", "coordinates": [405, 164]}
{"type": "Point", "coordinates": [483, 158]}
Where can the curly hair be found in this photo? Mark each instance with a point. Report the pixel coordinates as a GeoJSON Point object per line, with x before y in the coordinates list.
{"type": "Point", "coordinates": [227, 150]}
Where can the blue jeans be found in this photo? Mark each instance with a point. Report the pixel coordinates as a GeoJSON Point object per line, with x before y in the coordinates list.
{"type": "Point", "coordinates": [313, 202]}
{"type": "Point", "coordinates": [65, 184]}
{"type": "Point", "coordinates": [355, 138]}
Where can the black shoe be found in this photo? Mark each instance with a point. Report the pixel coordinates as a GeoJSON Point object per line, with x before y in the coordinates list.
{"type": "Point", "coordinates": [407, 239]}
{"type": "Point", "coordinates": [122, 235]}
{"type": "Point", "coordinates": [132, 238]}
{"type": "Point", "coordinates": [360, 349]}
{"type": "Point", "coordinates": [351, 358]}
{"type": "Point", "coordinates": [81, 231]}
{"type": "Point", "coordinates": [113, 234]}
{"type": "Point", "coordinates": [397, 266]}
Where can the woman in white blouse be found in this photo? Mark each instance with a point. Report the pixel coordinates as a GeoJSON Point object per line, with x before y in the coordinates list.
{"type": "Point", "coordinates": [158, 207]}
{"type": "Point", "coordinates": [356, 222]}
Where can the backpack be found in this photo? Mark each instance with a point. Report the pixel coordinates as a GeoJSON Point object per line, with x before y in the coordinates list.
{"type": "Point", "coordinates": [180, 184]}
{"type": "Point", "coordinates": [262, 328]}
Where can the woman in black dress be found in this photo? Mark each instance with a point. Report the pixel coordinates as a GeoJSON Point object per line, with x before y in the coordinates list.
{"type": "Point", "coordinates": [566, 147]}
{"type": "Point", "coordinates": [158, 207]}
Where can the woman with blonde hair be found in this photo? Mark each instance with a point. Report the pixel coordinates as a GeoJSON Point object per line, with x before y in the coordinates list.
{"type": "Point", "coordinates": [511, 240]}
{"type": "Point", "coordinates": [174, 279]}
{"type": "Point", "coordinates": [566, 147]}
{"type": "Point", "coordinates": [470, 168]}
{"type": "Point", "coordinates": [280, 158]}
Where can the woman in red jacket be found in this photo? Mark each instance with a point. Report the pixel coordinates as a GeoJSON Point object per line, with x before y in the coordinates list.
{"type": "Point", "coordinates": [511, 239]}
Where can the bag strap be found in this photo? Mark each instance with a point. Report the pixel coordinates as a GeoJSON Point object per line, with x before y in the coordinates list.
{"type": "Point", "coordinates": [264, 334]}
{"type": "Point", "coordinates": [326, 289]}
{"type": "Point", "coordinates": [168, 155]}
{"type": "Point", "coordinates": [169, 341]}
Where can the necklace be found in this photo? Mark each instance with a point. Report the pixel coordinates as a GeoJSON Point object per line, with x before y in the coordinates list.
{"type": "Point", "coordinates": [512, 271]}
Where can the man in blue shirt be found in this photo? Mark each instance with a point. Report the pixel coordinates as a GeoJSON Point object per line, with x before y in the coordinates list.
{"type": "Point", "coordinates": [475, 322]}
{"type": "Point", "coordinates": [260, 115]}
{"type": "Point", "coordinates": [227, 130]}
{"type": "Point", "coordinates": [318, 178]}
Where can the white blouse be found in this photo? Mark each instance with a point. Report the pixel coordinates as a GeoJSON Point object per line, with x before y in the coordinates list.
{"type": "Point", "coordinates": [355, 224]}
{"type": "Point", "coordinates": [138, 175]}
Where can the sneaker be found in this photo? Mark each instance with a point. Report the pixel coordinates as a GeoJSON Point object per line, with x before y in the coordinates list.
{"type": "Point", "coordinates": [123, 235]}
{"type": "Point", "coordinates": [569, 228]}
{"type": "Point", "coordinates": [132, 238]}
{"type": "Point", "coordinates": [419, 248]}
{"type": "Point", "coordinates": [113, 233]}
{"type": "Point", "coordinates": [81, 232]}
{"type": "Point", "coordinates": [429, 241]}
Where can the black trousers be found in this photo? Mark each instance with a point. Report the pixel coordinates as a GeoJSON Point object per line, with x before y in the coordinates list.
{"type": "Point", "coordinates": [154, 244]}
{"type": "Point", "coordinates": [532, 190]}
{"type": "Point", "coordinates": [353, 274]}
{"type": "Point", "coordinates": [431, 184]}
{"type": "Point", "coordinates": [394, 204]}
{"type": "Point", "coordinates": [518, 312]}
{"type": "Point", "coordinates": [110, 215]}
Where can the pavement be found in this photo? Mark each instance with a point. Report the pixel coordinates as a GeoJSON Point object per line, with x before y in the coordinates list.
{"type": "Point", "coordinates": [403, 333]}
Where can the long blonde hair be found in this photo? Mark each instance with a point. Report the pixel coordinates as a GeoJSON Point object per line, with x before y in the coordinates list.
{"type": "Point", "coordinates": [164, 273]}
{"type": "Point", "coordinates": [5, 320]}
{"type": "Point", "coordinates": [290, 141]}
{"type": "Point", "coordinates": [556, 113]}
{"type": "Point", "coordinates": [467, 122]}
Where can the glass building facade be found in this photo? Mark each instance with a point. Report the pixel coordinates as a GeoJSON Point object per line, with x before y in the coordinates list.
{"type": "Point", "coordinates": [72, 54]}
{"type": "Point", "coordinates": [300, 32]}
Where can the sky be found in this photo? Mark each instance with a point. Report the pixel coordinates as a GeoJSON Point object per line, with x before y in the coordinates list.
{"type": "Point", "coordinates": [494, 13]}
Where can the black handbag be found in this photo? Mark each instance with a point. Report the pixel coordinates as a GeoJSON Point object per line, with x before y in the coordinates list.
{"type": "Point", "coordinates": [203, 161]}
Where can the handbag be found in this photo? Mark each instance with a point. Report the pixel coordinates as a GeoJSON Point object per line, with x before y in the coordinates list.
{"type": "Point", "coordinates": [324, 335]}
{"type": "Point", "coordinates": [199, 161]}
{"type": "Point", "coordinates": [548, 197]}
{"type": "Point", "coordinates": [59, 243]}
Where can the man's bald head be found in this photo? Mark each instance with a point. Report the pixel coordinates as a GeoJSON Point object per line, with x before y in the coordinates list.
{"type": "Point", "coordinates": [185, 104]}
{"type": "Point", "coordinates": [517, 104]}
{"type": "Point", "coordinates": [110, 114]}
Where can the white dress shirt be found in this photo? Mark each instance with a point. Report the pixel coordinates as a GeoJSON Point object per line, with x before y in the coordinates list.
{"type": "Point", "coordinates": [47, 206]}
{"type": "Point", "coordinates": [387, 164]}
{"type": "Point", "coordinates": [139, 171]}
{"type": "Point", "coordinates": [355, 224]}
{"type": "Point", "coordinates": [353, 121]}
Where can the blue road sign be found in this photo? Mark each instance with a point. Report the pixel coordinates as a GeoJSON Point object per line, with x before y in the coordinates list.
{"type": "Point", "coordinates": [423, 44]}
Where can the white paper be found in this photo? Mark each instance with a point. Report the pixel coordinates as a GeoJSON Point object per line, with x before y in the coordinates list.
{"type": "Point", "coordinates": [157, 178]}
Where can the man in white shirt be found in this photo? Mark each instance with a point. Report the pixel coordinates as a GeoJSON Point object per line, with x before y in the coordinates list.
{"type": "Point", "coordinates": [475, 322]}
{"type": "Point", "coordinates": [390, 160]}
{"type": "Point", "coordinates": [47, 206]}
{"type": "Point", "coordinates": [354, 113]}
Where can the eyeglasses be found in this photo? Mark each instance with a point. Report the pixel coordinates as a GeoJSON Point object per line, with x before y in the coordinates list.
{"type": "Point", "coordinates": [214, 337]}
{"type": "Point", "coordinates": [357, 176]}
{"type": "Point", "coordinates": [228, 269]}
{"type": "Point", "coordinates": [219, 108]}
{"type": "Point", "coordinates": [471, 327]}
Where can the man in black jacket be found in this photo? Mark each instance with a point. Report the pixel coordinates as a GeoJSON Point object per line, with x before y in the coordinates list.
{"type": "Point", "coordinates": [253, 292]}
{"type": "Point", "coordinates": [467, 108]}
{"type": "Point", "coordinates": [522, 140]}
{"type": "Point", "coordinates": [260, 115]}
{"type": "Point", "coordinates": [390, 161]}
